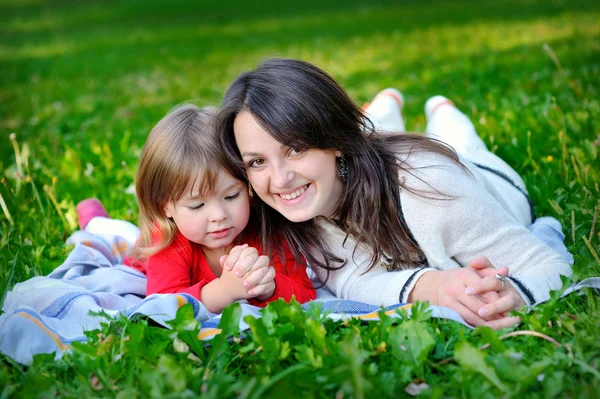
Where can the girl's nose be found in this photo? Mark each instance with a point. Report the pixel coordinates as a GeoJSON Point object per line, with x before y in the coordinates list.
{"type": "Point", "coordinates": [218, 213]}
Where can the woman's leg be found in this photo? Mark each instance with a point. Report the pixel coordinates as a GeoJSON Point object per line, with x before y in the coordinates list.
{"type": "Point", "coordinates": [385, 111]}
{"type": "Point", "coordinates": [447, 123]}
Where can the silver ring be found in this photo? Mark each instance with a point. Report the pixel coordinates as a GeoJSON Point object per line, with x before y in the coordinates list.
{"type": "Point", "coordinates": [502, 279]}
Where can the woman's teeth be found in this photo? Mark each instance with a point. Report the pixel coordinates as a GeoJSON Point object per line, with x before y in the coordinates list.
{"type": "Point", "coordinates": [295, 194]}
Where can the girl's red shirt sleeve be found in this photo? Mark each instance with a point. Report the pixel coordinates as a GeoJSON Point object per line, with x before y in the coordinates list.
{"type": "Point", "coordinates": [179, 268]}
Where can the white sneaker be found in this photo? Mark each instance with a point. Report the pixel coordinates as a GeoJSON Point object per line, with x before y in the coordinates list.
{"type": "Point", "coordinates": [435, 102]}
{"type": "Point", "coordinates": [447, 123]}
{"type": "Point", "coordinates": [385, 111]}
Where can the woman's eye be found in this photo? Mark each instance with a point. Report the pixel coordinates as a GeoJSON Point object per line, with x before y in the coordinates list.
{"type": "Point", "coordinates": [256, 162]}
{"type": "Point", "coordinates": [294, 151]}
{"type": "Point", "coordinates": [196, 207]}
{"type": "Point", "coordinates": [233, 196]}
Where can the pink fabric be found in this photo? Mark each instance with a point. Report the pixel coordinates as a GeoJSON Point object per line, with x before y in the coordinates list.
{"type": "Point", "coordinates": [89, 209]}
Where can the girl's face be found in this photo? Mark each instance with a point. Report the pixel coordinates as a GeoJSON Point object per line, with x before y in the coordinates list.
{"type": "Point", "coordinates": [214, 220]}
{"type": "Point", "coordinates": [299, 185]}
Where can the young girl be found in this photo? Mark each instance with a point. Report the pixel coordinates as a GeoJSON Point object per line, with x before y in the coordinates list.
{"type": "Point", "coordinates": [194, 213]}
{"type": "Point", "coordinates": [385, 218]}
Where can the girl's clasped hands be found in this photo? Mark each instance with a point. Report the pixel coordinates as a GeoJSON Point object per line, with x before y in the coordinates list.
{"type": "Point", "coordinates": [246, 274]}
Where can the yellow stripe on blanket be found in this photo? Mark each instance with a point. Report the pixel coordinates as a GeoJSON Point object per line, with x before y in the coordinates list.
{"type": "Point", "coordinates": [375, 315]}
{"type": "Point", "coordinates": [181, 301]}
{"type": "Point", "coordinates": [209, 333]}
{"type": "Point", "coordinates": [42, 327]}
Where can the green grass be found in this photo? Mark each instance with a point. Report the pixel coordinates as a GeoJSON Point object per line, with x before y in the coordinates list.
{"type": "Point", "coordinates": [82, 83]}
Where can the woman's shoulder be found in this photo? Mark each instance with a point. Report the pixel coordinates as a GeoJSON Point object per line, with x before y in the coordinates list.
{"type": "Point", "coordinates": [426, 170]}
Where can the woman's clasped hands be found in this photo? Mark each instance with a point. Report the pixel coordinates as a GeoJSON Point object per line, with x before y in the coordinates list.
{"type": "Point", "coordinates": [481, 294]}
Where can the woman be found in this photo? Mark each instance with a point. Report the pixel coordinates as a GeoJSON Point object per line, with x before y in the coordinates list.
{"type": "Point", "coordinates": [382, 217]}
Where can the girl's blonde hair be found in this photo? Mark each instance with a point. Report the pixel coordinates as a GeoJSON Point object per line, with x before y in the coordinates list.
{"type": "Point", "coordinates": [182, 150]}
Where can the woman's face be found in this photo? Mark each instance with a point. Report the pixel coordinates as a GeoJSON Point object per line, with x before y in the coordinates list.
{"type": "Point", "coordinates": [299, 185]}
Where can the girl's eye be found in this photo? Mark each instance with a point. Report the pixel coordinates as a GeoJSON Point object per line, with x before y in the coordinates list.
{"type": "Point", "coordinates": [256, 162]}
{"type": "Point", "coordinates": [294, 151]}
{"type": "Point", "coordinates": [196, 207]}
{"type": "Point", "coordinates": [233, 196]}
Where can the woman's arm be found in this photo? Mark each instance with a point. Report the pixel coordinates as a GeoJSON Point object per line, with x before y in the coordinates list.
{"type": "Point", "coordinates": [453, 231]}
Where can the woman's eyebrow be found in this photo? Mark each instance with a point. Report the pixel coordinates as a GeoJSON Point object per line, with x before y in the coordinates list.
{"type": "Point", "coordinates": [255, 154]}
{"type": "Point", "coordinates": [250, 154]}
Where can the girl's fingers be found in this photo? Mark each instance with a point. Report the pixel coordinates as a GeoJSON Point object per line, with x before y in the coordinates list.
{"type": "Point", "coordinates": [266, 280]}
{"type": "Point", "coordinates": [258, 263]}
{"type": "Point", "coordinates": [502, 305]}
{"type": "Point", "coordinates": [233, 256]}
{"type": "Point", "coordinates": [245, 260]}
{"type": "Point", "coordinates": [503, 322]}
{"type": "Point", "coordinates": [255, 277]}
{"type": "Point", "coordinates": [263, 289]}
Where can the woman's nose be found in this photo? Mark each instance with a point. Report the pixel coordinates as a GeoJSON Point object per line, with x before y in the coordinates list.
{"type": "Point", "coordinates": [281, 175]}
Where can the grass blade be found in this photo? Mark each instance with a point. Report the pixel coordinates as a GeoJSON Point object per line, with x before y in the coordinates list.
{"type": "Point", "coordinates": [10, 276]}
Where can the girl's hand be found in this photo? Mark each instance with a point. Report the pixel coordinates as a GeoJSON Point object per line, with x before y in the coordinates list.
{"type": "Point", "coordinates": [265, 288]}
{"type": "Point", "coordinates": [258, 277]}
{"type": "Point", "coordinates": [232, 286]}
{"type": "Point", "coordinates": [496, 310]}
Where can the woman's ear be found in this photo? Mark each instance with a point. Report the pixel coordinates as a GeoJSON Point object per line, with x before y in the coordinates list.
{"type": "Point", "coordinates": [338, 154]}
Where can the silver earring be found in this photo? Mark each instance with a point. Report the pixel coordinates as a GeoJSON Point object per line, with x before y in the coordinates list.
{"type": "Point", "coordinates": [343, 170]}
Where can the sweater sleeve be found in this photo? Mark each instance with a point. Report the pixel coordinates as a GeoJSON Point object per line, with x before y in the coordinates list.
{"type": "Point", "coordinates": [355, 281]}
{"type": "Point", "coordinates": [168, 271]}
{"type": "Point", "coordinates": [291, 280]}
{"type": "Point", "coordinates": [471, 222]}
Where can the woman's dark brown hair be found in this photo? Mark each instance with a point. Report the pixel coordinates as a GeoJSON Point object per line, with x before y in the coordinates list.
{"type": "Point", "coordinates": [302, 107]}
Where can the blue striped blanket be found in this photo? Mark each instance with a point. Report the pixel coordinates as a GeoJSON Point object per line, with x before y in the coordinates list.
{"type": "Point", "coordinates": [46, 314]}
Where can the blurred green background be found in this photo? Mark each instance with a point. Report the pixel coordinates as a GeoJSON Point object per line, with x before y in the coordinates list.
{"type": "Point", "coordinates": [83, 82]}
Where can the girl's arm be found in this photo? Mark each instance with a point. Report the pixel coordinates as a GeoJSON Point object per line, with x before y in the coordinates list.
{"type": "Point", "coordinates": [170, 271]}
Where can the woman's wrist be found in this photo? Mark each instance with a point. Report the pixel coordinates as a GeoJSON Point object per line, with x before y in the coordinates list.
{"type": "Point", "coordinates": [424, 287]}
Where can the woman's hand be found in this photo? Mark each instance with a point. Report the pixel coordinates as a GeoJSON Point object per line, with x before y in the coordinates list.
{"type": "Point", "coordinates": [447, 288]}
{"type": "Point", "coordinates": [497, 308]}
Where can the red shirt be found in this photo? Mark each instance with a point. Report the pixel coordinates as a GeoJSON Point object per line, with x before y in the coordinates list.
{"type": "Point", "coordinates": [182, 268]}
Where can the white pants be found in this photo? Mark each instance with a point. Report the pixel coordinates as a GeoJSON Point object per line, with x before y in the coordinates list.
{"type": "Point", "coordinates": [454, 128]}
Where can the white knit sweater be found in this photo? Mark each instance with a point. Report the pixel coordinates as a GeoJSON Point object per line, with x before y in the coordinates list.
{"type": "Point", "coordinates": [481, 219]}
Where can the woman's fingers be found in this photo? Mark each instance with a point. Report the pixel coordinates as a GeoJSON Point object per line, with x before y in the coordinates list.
{"type": "Point", "coordinates": [480, 262]}
{"type": "Point", "coordinates": [490, 272]}
{"type": "Point", "coordinates": [503, 322]}
{"type": "Point", "coordinates": [502, 305]}
{"type": "Point", "coordinates": [484, 285]}
{"type": "Point", "coordinates": [466, 313]}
